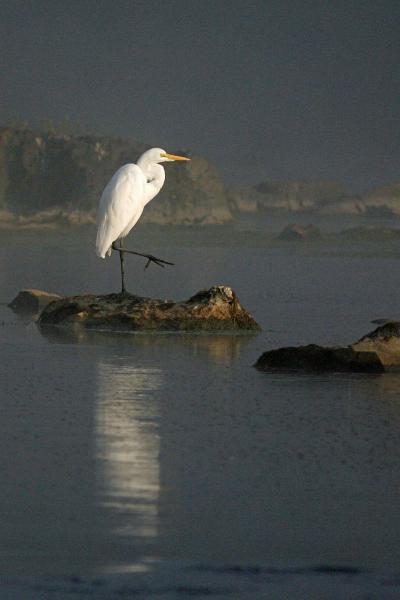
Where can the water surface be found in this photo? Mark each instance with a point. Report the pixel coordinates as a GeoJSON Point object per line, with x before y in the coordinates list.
{"type": "Point", "coordinates": [120, 448]}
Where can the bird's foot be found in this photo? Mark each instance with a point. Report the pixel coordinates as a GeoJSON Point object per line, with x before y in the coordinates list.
{"type": "Point", "coordinates": [150, 258]}
{"type": "Point", "coordinates": [158, 261]}
{"type": "Point", "coordinates": [124, 294]}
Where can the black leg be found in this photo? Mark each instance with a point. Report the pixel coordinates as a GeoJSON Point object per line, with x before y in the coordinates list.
{"type": "Point", "coordinates": [121, 260]}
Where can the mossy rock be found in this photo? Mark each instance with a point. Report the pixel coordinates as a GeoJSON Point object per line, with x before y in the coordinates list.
{"type": "Point", "coordinates": [216, 309]}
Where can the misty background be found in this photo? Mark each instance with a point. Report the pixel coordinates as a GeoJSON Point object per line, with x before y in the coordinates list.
{"type": "Point", "coordinates": [264, 89]}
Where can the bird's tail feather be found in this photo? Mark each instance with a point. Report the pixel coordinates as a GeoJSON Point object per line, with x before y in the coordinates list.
{"type": "Point", "coordinates": [103, 245]}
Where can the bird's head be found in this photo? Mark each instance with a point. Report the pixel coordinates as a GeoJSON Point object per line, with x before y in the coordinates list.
{"type": "Point", "coordinates": [158, 155]}
{"type": "Point", "coordinates": [167, 157]}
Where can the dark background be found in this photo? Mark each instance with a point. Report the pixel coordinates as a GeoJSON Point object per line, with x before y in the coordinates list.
{"type": "Point", "coordinates": [265, 88]}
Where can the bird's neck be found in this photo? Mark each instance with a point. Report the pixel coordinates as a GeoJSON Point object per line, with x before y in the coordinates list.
{"type": "Point", "coordinates": [155, 177]}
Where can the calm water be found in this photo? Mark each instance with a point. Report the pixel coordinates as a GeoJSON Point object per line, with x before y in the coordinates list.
{"type": "Point", "coordinates": [120, 448]}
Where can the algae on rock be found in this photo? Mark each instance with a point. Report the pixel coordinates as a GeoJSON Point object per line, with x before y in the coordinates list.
{"type": "Point", "coordinates": [216, 309]}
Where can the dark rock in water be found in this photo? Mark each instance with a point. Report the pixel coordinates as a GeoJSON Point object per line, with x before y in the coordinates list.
{"type": "Point", "coordinates": [385, 342]}
{"type": "Point", "coordinates": [381, 321]}
{"type": "Point", "coordinates": [295, 233]}
{"type": "Point", "coordinates": [319, 359]}
{"type": "Point", "coordinates": [32, 301]}
{"type": "Point", "coordinates": [216, 309]}
{"type": "Point", "coordinates": [376, 352]}
{"type": "Point", "coordinates": [370, 233]}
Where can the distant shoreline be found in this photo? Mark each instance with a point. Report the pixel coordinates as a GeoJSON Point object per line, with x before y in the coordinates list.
{"type": "Point", "coordinates": [53, 179]}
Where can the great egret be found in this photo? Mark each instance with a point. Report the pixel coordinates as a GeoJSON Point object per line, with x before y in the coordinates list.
{"type": "Point", "coordinates": [123, 200]}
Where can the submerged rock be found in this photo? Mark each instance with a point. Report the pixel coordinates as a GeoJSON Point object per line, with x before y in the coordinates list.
{"type": "Point", "coordinates": [216, 309]}
{"type": "Point", "coordinates": [32, 301]}
{"type": "Point", "coordinates": [370, 233]}
{"type": "Point", "coordinates": [302, 233]}
{"type": "Point", "coordinates": [319, 359]}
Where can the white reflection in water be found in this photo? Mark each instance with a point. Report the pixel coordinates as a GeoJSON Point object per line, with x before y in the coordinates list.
{"type": "Point", "coordinates": [127, 446]}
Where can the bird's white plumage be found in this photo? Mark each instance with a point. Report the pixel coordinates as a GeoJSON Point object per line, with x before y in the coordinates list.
{"type": "Point", "coordinates": [126, 194]}
{"type": "Point", "coordinates": [121, 205]}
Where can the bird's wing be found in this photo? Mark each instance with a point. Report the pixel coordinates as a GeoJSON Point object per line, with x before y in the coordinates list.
{"type": "Point", "coordinates": [121, 205]}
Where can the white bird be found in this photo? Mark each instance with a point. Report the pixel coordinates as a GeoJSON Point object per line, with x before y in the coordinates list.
{"type": "Point", "coordinates": [123, 200]}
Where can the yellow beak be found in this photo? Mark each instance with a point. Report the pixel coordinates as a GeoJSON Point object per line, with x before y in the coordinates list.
{"type": "Point", "coordinates": [173, 156]}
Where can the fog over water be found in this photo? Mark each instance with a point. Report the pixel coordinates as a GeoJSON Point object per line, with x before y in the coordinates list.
{"type": "Point", "coordinates": [278, 89]}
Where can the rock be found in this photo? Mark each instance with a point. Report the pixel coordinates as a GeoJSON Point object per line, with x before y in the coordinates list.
{"type": "Point", "coordinates": [242, 200]}
{"type": "Point", "coordinates": [296, 196]}
{"type": "Point", "coordinates": [32, 301]}
{"type": "Point", "coordinates": [194, 195]}
{"type": "Point", "coordinates": [370, 233]}
{"type": "Point", "coordinates": [381, 321]}
{"type": "Point", "coordinates": [216, 309]}
{"type": "Point", "coordinates": [348, 205]}
{"type": "Point", "coordinates": [295, 233]}
{"type": "Point", "coordinates": [383, 201]}
{"type": "Point", "coordinates": [385, 342]}
{"type": "Point", "coordinates": [319, 359]}
{"type": "Point", "coordinates": [323, 198]}
{"type": "Point", "coordinates": [35, 165]}
{"type": "Point", "coordinates": [376, 352]}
